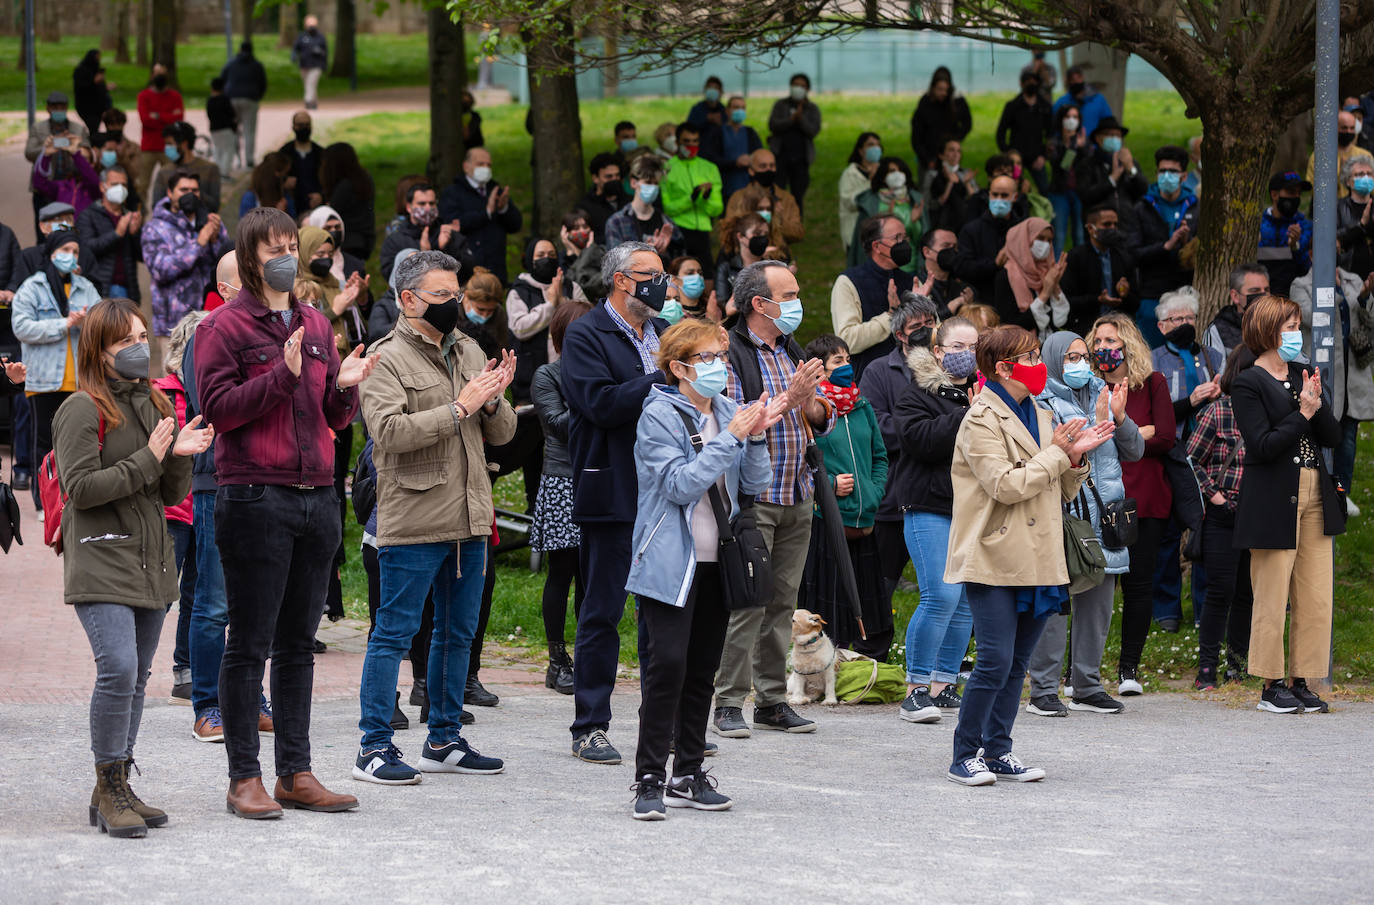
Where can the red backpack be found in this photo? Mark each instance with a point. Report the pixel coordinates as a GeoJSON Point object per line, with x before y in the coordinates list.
{"type": "Point", "coordinates": [50, 493]}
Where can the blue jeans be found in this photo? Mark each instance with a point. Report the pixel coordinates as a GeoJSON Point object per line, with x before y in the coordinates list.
{"type": "Point", "coordinates": [123, 641]}
{"type": "Point", "coordinates": [117, 292]}
{"type": "Point", "coordinates": [22, 446]}
{"type": "Point", "coordinates": [184, 544]}
{"type": "Point", "coordinates": [992, 695]}
{"type": "Point", "coordinates": [1343, 461]}
{"type": "Point", "coordinates": [1168, 581]}
{"type": "Point", "coordinates": [210, 611]}
{"type": "Point", "coordinates": [937, 635]}
{"type": "Point", "coordinates": [1068, 215]}
{"type": "Point", "coordinates": [456, 573]}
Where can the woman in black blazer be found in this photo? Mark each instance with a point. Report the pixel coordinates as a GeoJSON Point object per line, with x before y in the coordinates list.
{"type": "Point", "coordinates": [1288, 508]}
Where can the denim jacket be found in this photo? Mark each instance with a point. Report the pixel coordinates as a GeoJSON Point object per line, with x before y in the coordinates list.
{"type": "Point", "coordinates": [42, 328]}
{"type": "Point", "coordinates": [672, 480]}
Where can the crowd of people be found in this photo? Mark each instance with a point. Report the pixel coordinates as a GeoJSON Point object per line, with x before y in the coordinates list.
{"type": "Point", "coordinates": [977, 403]}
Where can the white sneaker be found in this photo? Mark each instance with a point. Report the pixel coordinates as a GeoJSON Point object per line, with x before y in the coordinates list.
{"type": "Point", "coordinates": [1351, 510]}
{"type": "Point", "coordinates": [1068, 691]}
{"type": "Point", "coordinates": [1129, 687]}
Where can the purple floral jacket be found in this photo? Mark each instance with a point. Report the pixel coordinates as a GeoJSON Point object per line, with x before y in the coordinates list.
{"type": "Point", "coordinates": [181, 269]}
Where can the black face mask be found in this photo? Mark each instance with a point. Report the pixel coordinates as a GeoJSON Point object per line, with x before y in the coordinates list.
{"type": "Point", "coordinates": [159, 82]}
{"type": "Point", "coordinates": [544, 270]}
{"type": "Point", "coordinates": [758, 245]}
{"type": "Point", "coordinates": [900, 253]}
{"type": "Point", "coordinates": [919, 338]}
{"type": "Point", "coordinates": [302, 133]}
{"type": "Point", "coordinates": [766, 178]}
{"type": "Point", "coordinates": [1110, 237]}
{"type": "Point", "coordinates": [1030, 89]}
{"type": "Point", "coordinates": [1078, 88]}
{"type": "Point", "coordinates": [652, 294]}
{"type": "Point", "coordinates": [1345, 139]}
{"type": "Point", "coordinates": [1287, 207]}
{"type": "Point", "coordinates": [336, 236]}
{"type": "Point", "coordinates": [117, 137]}
{"type": "Point", "coordinates": [944, 259]}
{"type": "Point", "coordinates": [609, 189]}
{"type": "Point", "coordinates": [320, 267]}
{"type": "Point", "coordinates": [442, 317]}
{"type": "Point", "coordinates": [188, 203]}
{"type": "Point", "coordinates": [1182, 336]}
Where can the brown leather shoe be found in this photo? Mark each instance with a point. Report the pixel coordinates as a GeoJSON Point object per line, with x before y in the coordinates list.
{"type": "Point", "coordinates": [303, 790]}
{"type": "Point", "coordinates": [265, 726]}
{"type": "Point", "coordinates": [248, 798]}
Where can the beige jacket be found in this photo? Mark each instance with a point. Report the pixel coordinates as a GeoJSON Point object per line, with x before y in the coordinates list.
{"type": "Point", "coordinates": [432, 481]}
{"type": "Point", "coordinates": [1007, 529]}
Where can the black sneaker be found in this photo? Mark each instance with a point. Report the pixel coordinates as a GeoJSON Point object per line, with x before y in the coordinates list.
{"type": "Point", "coordinates": [384, 767]}
{"type": "Point", "coordinates": [648, 799]}
{"type": "Point", "coordinates": [478, 696]}
{"type": "Point", "coordinates": [711, 749]}
{"type": "Point", "coordinates": [1310, 702]}
{"type": "Point", "coordinates": [698, 791]}
{"type": "Point", "coordinates": [949, 698]}
{"type": "Point", "coordinates": [595, 748]}
{"type": "Point", "coordinates": [1206, 679]}
{"type": "Point", "coordinates": [1170, 625]}
{"type": "Point", "coordinates": [728, 722]}
{"type": "Point", "coordinates": [783, 718]}
{"type": "Point", "coordinates": [1129, 685]}
{"type": "Point", "coordinates": [181, 694]}
{"type": "Point", "coordinates": [918, 707]}
{"type": "Point", "coordinates": [465, 717]}
{"type": "Point", "coordinates": [1099, 702]}
{"type": "Point", "coordinates": [1278, 699]}
{"type": "Point", "coordinates": [457, 757]}
{"type": "Point", "coordinates": [1047, 705]}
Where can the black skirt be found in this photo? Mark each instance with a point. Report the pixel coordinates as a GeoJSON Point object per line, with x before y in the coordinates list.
{"type": "Point", "coordinates": [820, 592]}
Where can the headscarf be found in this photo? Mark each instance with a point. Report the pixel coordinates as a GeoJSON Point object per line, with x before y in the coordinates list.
{"type": "Point", "coordinates": [55, 240]}
{"type": "Point", "coordinates": [1026, 274]}
{"type": "Point", "coordinates": [312, 237]}
{"type": "Point", "coordinates": [319, 217]}
{"type": "Point", "coordinates": [1052, 353]}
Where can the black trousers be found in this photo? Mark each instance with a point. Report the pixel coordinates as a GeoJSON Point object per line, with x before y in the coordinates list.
{"type": "Point", "coordinates": [488, 589]}
{"type": "Point", "coordinates": [419, 645]}
{"type": "Point", "coordinates": [605, 555]}
{"type": "Point", "coordinates": [565, 571]}
{"type": "Point", "coordinates": [794, 174]}
{"type": "Point", "coordinates": [1230, 598]}
{"type": "Point", "coordinates": [43, 407]}
{"type": "Point", "coordinates": [680, 649]}
{"type": "Point", "coordinates": [1137, 592]}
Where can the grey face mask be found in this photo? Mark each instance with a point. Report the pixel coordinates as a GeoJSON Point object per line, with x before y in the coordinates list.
{"type": "Point", "coordinates": [280, 273]}
{"type": "Point", "coordinates": [131, 362]}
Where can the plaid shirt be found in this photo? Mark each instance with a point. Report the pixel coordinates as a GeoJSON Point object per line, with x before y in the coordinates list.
{"type": "Point", "coordinates": [792, 481]}
{"type": "Point", "coordinates": [646, 346]}
{"type": "Point", "coordinates": [1211, 444]}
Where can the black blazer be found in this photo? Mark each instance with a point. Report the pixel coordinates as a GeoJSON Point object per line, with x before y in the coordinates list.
{"type": "Point", "coordinates": [1271, 424]}
{"type": "Point", "coordinates": [1082, 283]}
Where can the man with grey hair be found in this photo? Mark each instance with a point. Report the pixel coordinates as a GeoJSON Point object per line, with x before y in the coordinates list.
{"type": "Point", "coordinates": [430, 424]}
{"type": "Point", "coordinates": [765, 357]}
{"type": "Point", "coordinates": [609, 366]}
{"type": "Point", "coordinates": [1248, 282]}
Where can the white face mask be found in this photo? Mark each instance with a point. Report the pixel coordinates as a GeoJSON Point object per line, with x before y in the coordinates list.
{"type": "Point", "coordinates": [1070, 124]}
{"type": "Point", "coordinates": [895, 180]}
{"type": "Point", "coordinates": [1040, 249]}
{"type": "Point", "coordinates": [670, 144]}
{"type": "Point", "coordinates": [116, 193]}
{"type": "Point", "coordinates": [798, 92]}
{"type": "Point", "coordinates": [482, 175]}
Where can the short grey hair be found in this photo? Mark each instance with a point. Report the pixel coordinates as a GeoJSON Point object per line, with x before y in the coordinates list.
{"type": "Point", "coordinates": [911, 305]}
{"type": "Point", "coordinates": [753, 281]}
{"type": "Point", "coordinates": [1240, 273]}
{"type": "Point", "coordinates": [617, 260]}
{"type": "Point", "coordinates": [1348, 168]}
{"type": "Point", "coordinates": [1184, 299]}
{"type": "Point", "coordinates": [412, 271]}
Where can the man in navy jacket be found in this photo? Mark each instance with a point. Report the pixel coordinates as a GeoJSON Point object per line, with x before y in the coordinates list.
{"type": "Point", "coordinates": [486, 216]}
{"type": "Point", "coordinates": [609, 365]}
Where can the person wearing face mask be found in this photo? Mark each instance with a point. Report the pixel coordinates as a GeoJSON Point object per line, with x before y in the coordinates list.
{"type": "Point", "coordinates": [121, 460]}
{"type": "Point", "coordinates": [604, 197]}
{"type": "Point", "coordinates": [863, 297]}
{"type": "Point", "coordinates": [350, 193]}
{"type": "Point", "coordinates": [950, 294]}
{"type": "Point", "coordinates": [940, 116]}
{"type": "Point", "coordinates": [1248, 282]}
{"type": "Point", "coordinates": [305, 156]}
{"type": "Point", "coordinates": [1285, 243]}
{"type": "Point", "coordinates": [1078, 93]}
{"type": "Point", "coordinates": [1028, 292]}
{"type": "Point", "coordinates": [580, 253]}
{"type": "Point", "coordinates": [484, 317]}
{"type": "Point", "coordinates": [709, 112]}
{"type": "Point", "coordinates": [793, 126]}
{"type": "Point", "coordinates": [691, 191]}
{"type": "Point", "coordinates": [1355, 218]}
{"type": "Point", "coordinates": [54, 217]}
{"type": "Point", "coordinates": [181, 151]}
{"type": "Point", "coordinates": [343, 264]}
{"type": "Point", "coordinates": [339, 299]}
{"type": "Point", "coordinates": [1162, 225]}
{"type": "Point", "coordinates": [245, 84]}
{"type": "Point", "coordinates": [626, 143]}
{"type": "Point", "coordinates": [159, 105]}
{"type": "Point", "coordinates": [1067, 141]}
{"type": "Point", "coordinates": [1100, 275]}
{"type": "Point", "coordinates": [1107, 172]}
{"type": "Point", "coordinates": [1288, 508]}
{"type": "Point", "coordinates": [743, 242]}
{"type": "Point", "coordinates": [57, 125]}
{"type": "Point", "coordinates": [949, 188]}
{"type": "Point", "coordinates": [310, 53]}
{"type": "Point", "coordinates": [856, 179]}
{"type": "Point", "coordinates": [643, 219]}
{"type": "Point", "coordinates": [61, 175]}
{"type": "Point", "coordinates": [691, 282]}
{"type": "Point", "coordinates": [533, 298]}
{"type": "Point", "coordinates": [181, 244]}
{"type": "Point", "coordinates": [421, 230]}
{"type": "Point", "coordinates": [763, 183]}
{"type": "Point", "coordinates": [1347, 149]}
{"type": "Point", "coordinates": [483, 210]}
{"type": "Point", "coordinates": [91, 90]}
{"type": "Point", "coordinates": [1073, 392]}
{"type": "Point", "coordinates": [730, 146]}
{"type": "Point", "coordinates": [978, 258]}
{"type": "Point", "coordinates": [1025, 123]}
{"type": "Point", "coordinates": [111, 231]}
{"type": "Point", "coordinates": [891, 192]}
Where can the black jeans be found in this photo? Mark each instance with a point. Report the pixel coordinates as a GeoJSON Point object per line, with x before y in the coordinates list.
{"type": "Point", "coordinates": [42, 407]}
{"type": "Point", "coordinates": [564, 572]}
{"type": "Point", "coordinates": [1137, 592]}
{"type": "Point", "coordinates": [681, 649]}
{"type": "Point", "coordinates": [484, 614]}
{"type": "Point", "coordinates": [277, 545]}
{"type": "Point", "coordinates": [605, 554]}
{"type": "Point", "coordinates": [1229, 595]}
{"type": "Point", "coordinates": [419, 645]}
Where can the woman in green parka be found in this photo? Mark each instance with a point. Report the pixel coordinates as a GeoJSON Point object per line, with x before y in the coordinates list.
{"type": "Point", "coordinates": [856, 460]}
{"type": "Point", "coordinates": [120, 461]}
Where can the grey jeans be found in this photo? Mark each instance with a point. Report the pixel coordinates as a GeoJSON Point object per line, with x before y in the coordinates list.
{"type": "Point", "coordinates": [1092, 619]}
{"type": "Point", "coordinates": [123, 640]}
{"type": "Point", "coordinates": [247, 112]}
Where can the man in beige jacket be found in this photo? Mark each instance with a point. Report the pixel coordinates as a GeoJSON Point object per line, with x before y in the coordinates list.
{"type": "Point", "coordinates": [433, 403]}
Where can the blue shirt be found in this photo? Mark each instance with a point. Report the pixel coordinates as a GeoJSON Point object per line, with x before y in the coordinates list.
{"type": "Point", "coordinates": [646, 346]}
{"type": "Point", "coordinates": [734, 142]}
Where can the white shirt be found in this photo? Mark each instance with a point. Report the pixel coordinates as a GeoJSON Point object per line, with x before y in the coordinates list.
{"type": "Point", "coordinates": [705, 531]}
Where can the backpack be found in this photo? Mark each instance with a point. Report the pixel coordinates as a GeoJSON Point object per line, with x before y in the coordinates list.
{"type": "Point", "coordinates": [50, 492]}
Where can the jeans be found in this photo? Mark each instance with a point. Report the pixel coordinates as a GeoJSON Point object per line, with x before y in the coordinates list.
{"type": "Point", "coordinates": [419, 645]}
{"type": "Point", "coordinates": [937, 635]}
{"type": "Point", "coordinates": [682, 647]}
{"type": "Point", "coordinates": [184, 543]}
{"type": "Point", "coordinates": [992, 694]}
{"type": "Point", "coordinates": [1343, 460]}
{"type": "Point", "coordinates": [277, 547]}
{"type": "Point", "coordinates": [117, 292]}
{"type": "Point", "coordinates": [454, 572]}
{"type": "Point", "coordinates": [22, 444]}
{"type": "Point", "coordinates": [210, 611]}
{"type": "Point", "coordinates": [1135, 592]}
{"type": "Point", "coordinates": [123, 640]}
{"type": "Point", "coordinates": [605, 555]}
{"type": "Point", "coordinates": [1229, 598]}
{"type": "Point", "coordinates": [1068, 214]}
{"type": "Point", "coordinates": [1092, 622]}
{"type": "Point", "coordinates": [1168, 579]}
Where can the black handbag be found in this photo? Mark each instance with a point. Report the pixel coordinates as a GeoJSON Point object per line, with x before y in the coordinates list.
{"type": "Point", "coordinates": [746, 566]}
{"type": "Point", "coordinates": [1117, 520]}
{"type": "Point", "coordinates": [9, 518]}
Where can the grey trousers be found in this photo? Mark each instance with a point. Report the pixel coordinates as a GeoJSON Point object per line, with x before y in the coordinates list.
{"type": "Point", "coordinates": [1092, 619]}
{"type": "Point", "coordinates": [123, 640]}
{"type": "Point", "coordinates": [755, 654]}
{"type": "Point", "coordinates": [247, 112]}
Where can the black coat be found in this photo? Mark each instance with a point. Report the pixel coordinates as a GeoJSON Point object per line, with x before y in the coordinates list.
{"type": "Point", "coordinates": [306, 169]}
{"type": "Point", "coordinates": [1004, 300]}
{"type": "Point", "coordinates": [713, 149]}
{"type": "Point", "coordinates": [407, 235]}
{"type": "Point", "coordinates": [1160, 270]}
{"type": "Point", "coordinates": [1092, 173]}
{"type": "Point", "coordinates": [244, 77]}
{"type": "Point", "coordinates": [933, 122]}
{"type": "Point", "coordinates": [975, 262]}
{"type": "Point", "coordinates": [1269, 420]}
{"type": "Point", "coordinates": [359, 219]}
{"type": "Point", "coordinates": [882, 384]}
{"type": "Point", "coordinates": [486, 233]}
{"type": "Point", "coordinates": [1082, 284]}
{"type": "Point", "coordinates": [10, 253]}
{"type": "Point", "coordinates": [97, 233]}
{"type": "Point", "coordinates": [599, 209]}
{"type": "Point", "coordinates": [927, 424]}
{"type": "Point", "coordinates": [1024, 126]}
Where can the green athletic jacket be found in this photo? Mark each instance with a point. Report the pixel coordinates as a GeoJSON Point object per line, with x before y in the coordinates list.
{"type": "Point", "coordinates": [683, 176]}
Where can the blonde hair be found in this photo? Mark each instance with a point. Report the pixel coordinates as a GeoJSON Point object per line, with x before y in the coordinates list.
{"type": "Point", "coordinates": [1139, 362]}
{"type": "Point", "coordinates": [682, 339]}
{"type": "Point", "coordinates": [308, 291]}
{"type": "Point", "coordinates": [484, 284]}
{"type": "Point", "coordinates": [983, 317]}
{"type": "Point", "coordinates": [181, 335]}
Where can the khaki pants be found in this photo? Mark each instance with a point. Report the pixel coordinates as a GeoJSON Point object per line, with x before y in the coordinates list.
{"type": "Point", "coordinates": [311, 78]}
{"type": "Point", "coordinates": [1298, 580]}
{"type": "Point", "coordinates": [755, 654]}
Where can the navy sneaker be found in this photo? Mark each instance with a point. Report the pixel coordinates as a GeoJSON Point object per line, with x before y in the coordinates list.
{"type": "Point", "coordinates": [595, 748]}
{"type": "Point", "coordinates": [919, 707]}
{"type": "Point", "coordinates": [384, 767]}
{"type": "Point", "coordinates": [648, 799]}
{"type": "Point", "coordinates": [949, 698]}
{"type": "Point", "coordinates": [971, 771]}
{"type": "Point", "coordinates": [457, 756]}
{"type": "Point", "coordinates": [696, 791]}
{"type": "Point", "coordinates": [1009, 767]}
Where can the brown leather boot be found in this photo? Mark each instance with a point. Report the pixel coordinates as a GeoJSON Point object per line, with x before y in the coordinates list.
{"type": "Point", "coordinates": [151, 816]}
{"type": "Point", "coordinates": [115, 812]}
{"type": "Point", "coordinates": [303, 790]}
{"type": "Point", "coordinates": [247, 798]}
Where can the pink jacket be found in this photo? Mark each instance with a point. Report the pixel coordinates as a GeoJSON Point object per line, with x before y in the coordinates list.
{"type": "Point", "coordinates": [171, 385]}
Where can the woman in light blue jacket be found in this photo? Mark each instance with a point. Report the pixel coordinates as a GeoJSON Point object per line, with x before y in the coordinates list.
{"type": "Point", "coordinates": [674, 572]}
{"type": "Point", "coordinates": [1073, 391]}
{"type": "Point", "coordinates": [46, 317]}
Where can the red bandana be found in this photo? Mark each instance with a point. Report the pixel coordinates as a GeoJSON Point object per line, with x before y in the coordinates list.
{"type": "Point", "coordinates": [843, 398]}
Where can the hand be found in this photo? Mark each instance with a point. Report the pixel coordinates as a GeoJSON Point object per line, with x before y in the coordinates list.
{"type": "Point", "coordinates": [1294, 234]}
{"type": "Point", "coordinates": [136, 223]}
{"type": "Point", "coordinates": [973, 390]}
{"type": "Point", "coordinates": [1090, 439]}
{"type": "Point", "coordinates": [289, 183]}
{"type": "Point", "coordinates": [965, 298]}
{"type": "Point", "coordinates": [343, 299]}
{"type": "Point", "coordinates": [802, 388]}
{"type": "Point", "coordinates": [354, 369]}
{"type": "Point", "coordinates": [75, 318]}
{"type": "Point", "coordinates": [48, 147]}
{"type": "Point", "coordinates": [757, 417]}
{"type": "Point", "coordinates": [1127, 158]}
{"type": "Point", "coordinates": [742, 161]}
{"type": "Point", "coordinates": [713, 306]}
{"type": "Point", "coordinates": [1179, 237]}
{"type": "Point", "coordinates": [1204, 392]}
{"type": "Point", "coordinates": [917, 209]}
{"type": "Point", "coordinates": [424, 239]}
{"type": "Point", "coordinates": [6, 296]}
{"type": "Point", "coordinates": [161, 437]}
{"type": "Point", "coordinates": [486, 385]}
{"type": "Point", "coordinates": [554, 293]}
{"type": "Point", "coordinates": [122, 225]}
{"type": "Point", "coordinates": [16, 371]}
{"type": "Point", "coordinates": [568, 246]}
{"type": "Point", "coordinates": [893, 300]}
{"type": "Point", "coordinates": [844, 484]}
{"type": "Point", "coordinates": [1104, 404]}
{"type": "Point", "coordinates": [1001, 259]}
{"type": "Point", "coordinates": [1364, 218]}
{"type": "Point", "coordinates": [1066, 434]}
{"type": "Point", "coordinates": [1123, 288]}
{"type": "Point", "coordinates": [1310, 399]}
{"type": "Point", "coordinates": [192, 441]}
{"type": "Point", "coordinates": [292, 352]}
{"type": "Point", "coordinates": [923, 289]}
{"type": "Point", "coordinates": [1147, 432]}
{"type": "Point", "coordinates": [1118, 401]}
{"type": "Point", "coordinates": [445, 234]}
{"type": "Point", "coordinates": [662, 238]}
{"type": "Point", "coordinates": [1218, 499]}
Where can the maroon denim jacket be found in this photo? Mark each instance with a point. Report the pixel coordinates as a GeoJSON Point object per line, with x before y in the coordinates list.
{"type": "Point", "coordinates": [270, 427]}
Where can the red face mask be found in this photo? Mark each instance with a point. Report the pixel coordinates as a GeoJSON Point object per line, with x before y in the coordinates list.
{"type": "Point", "coordinates": [690, 151]}
{"type": "Point", "coordinates": [1033, 376]}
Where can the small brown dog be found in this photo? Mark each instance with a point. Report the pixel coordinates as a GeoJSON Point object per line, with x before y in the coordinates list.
{"type": "Point", "coordinates": [813, 661]}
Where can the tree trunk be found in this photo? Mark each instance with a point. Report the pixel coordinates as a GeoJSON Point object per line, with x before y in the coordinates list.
{"type": "Point", "coordinates": [610, 75]}
{"type": "Point", "coordinates": [1295, 144]}
{"type": "Point", "coordinates": [447, 79]}
{"type": "Point", "coordinates": [142, 26]}
{"type": "Point", "coordinates": [109, 23]}
{"type": "Point", "coordinates": [121, 41]}
{"type": "Point", "coordinates": [345, 38]}
{"type": "Point", "coordinates": [48, 24]}
{"type": "Point", "coordinates": [1105, 70]}
{"type": "Point", "coordinates": [164, 29]}
{"type": "Point", "coordinates": [289, 25]}
{"type": "Point", "coordinates": [557, 124]}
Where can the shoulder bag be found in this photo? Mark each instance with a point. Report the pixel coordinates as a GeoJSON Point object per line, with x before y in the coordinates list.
{"type": "Point", "coordinates": [1083, 554]}
{"type": "Point", "coordinates": [1117, 520]}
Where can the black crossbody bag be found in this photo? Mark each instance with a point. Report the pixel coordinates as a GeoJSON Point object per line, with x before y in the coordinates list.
{"type": "Point", "coordinates": [1120, 527]}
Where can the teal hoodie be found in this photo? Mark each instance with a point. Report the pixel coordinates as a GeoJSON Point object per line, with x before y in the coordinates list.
{"type": "Point", "coordinates": [856, 447]}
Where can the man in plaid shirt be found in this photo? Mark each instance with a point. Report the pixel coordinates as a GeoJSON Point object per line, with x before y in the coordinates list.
{"type": "Point", "coordinates": [755, 655]}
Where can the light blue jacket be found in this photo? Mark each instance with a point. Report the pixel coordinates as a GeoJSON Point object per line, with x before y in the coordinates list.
{"type": "Point", "coordinates": [42, 328]}
{"type": "Point", "coordinates": [672, 480]}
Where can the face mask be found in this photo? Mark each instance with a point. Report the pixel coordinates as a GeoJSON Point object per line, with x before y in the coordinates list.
{"type": "Point", "coordinates": [442, 317]}
{"type": "Point", "coordinates": [999, 207]}
{"type": "Point", "coordinates": [424, 216]}
{"type": "Point", "coordinates": [1345, 139]}
{"type": "Point", "coordinates": [544, 270]}
{"type": "Point", "coordinates": [766, 178]}
{"type": "Point", "coordinates": [758, 245]}
{"type": "Point", "coordinates": [653, 294]}
{"type": "Point", "coordinates": [672, 311]}
{"type": "Point", "coordinates": [173, 153]}
{"type": "Point", "coordinates": [116, 137]}
{"type": "Point", "coordinates": [648, 192]}
{"type": "Point", "coordinates": [1363, 184]}
{"type": "Point", "coordinates": [738, 114]}
{"type": "Point", "coordinates": [279, 273]}
{"type": "Point", "coordinates": [320, 267]}
{"type": "Point", "coordinates": [693, 285]}
{"type": "Point", "coordinates": [689, 151]}
{"type": "Point", "coordinates": [711, 379]}
{"type": "Point", "coordinates": [895, 180]}
{"type": "Point", "coordinates": [1040, 249]}
{"type": "Point", "coordinates": [159, 82]}
{"type": "Point", "coordinates": [712, 95]}
{"type": "Point", "coordinates": [670, 144]}
{"type": "Point", "coordinates": [59, 116]}
{"type": "Point", "coordinates": [1359, 125]}
{"type": "Point", "coordinates": [798, 93]}
{"type": "Point", "coordinates": [108, 159]}
{"type": "Point", "coordinates": [766, 215]}
{"type": "Point", "coordinates": [580, 237]}
{"type": "Point", "coordinates": [336, 236]}
{"type": "Point", "coordinates": [1287, 207]}
{"type": "Point", "coordinates": [60, 225]}
{"type": "Point", "coordinates": [1078, 374]}
{"type": "Point", "coordinates": [64, 261]}
{"type": "Point", "coordinates": [1108, 360]}
{"type": "Point", "coordinates": [843, 376]}
{"type": "Point", "coordinates": [131, 362]}
{"type": "Point", "coordinates": [1077, 88]}
{"type": "Point", "coordinates": [1111, 144]}
{"type": "Point", "coordinates": [188, 203]}
{"type": "Point", "coordinates": [1109, 236]}
{"type": "Point", "coordinates": [1182, 336]}
{"type": "Point", "coordinates": [1033, 376]}
{"type": "Point", "coordinates": [1070, 124]}
{"type": "Point", "coordinates": [629, 144]}
{"type": "Point", "coordinates": [873, 153]}
{"type": "Point", "coordinates": [116, 193]}
{"type": "Point", "coordinates": [1291, 345]}
{"type": "Point", "coordinates": [900, 253]}
{"type": "Point", "coordinates": [1016, 171]}
{"type": "Point", "coordinates": [944, 259]}
{"type": "Point", "coordinates": [1030, 89]}
{"type": "Point", "coordinates": [481, 175]}
{"type": "Point", "coordinates": [302, 134]}
{"type": "Point", "coordinates": [960, 365]}
{"type": "Point", "coordinates": [1169, 181]}
{"type": "Point", "coordinates": [789, 316]}
{"type": "Point", "coordinates": [472, 316]}
{"type": "Point", "coordinates": [919, 338]}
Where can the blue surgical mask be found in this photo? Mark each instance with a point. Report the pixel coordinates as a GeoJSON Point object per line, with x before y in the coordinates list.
{"type": "Point", "coordinates": [711, 379]}
{"type": "Point", "coordinates": [64, 261]}
{"type": "Point", "coordinates": [999, 207]}
{"type": "Point", "coordinates": [629, 144]}
{"type": "Point", "coordinates": [789, 316]}
{"type": "Point", "coordinates": [172, 152]}
{"type": "Point", "coordinates": [1111, 144]}
{"type": "Point", "coordinates": [648, 192]}
{"type": "Point", "coordinates": [843, 376]}
{"type": "Point", "coordinates": [712, 95]}
{"type": "Point", "coordinates": [1291, 345]}
{"type": "Point", "coordinates": [767, 216]}
{"type": "Point", "coordinates": [737, 115]}
{"type": "Point", "coordinates": [873, 153]}
{"type": "Point", "coordinates": [477, 318]}
{"type": "Point", "coordinates": [672, 311]}
{"type": "Point", "coordinates": [1077, 374]}
{"type": "Point", "coordinates": [108, 159]}
{"type": "Point", "coordinates": [1169, 181]}
{"type": "Point", "coordinates": [1363, 185]}
{"type": "Point", "coordinates": [693, 285]}
{"type": "Point", "coordinates": [59, 116]}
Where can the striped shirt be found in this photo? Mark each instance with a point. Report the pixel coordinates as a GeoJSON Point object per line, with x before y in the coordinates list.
{"type": "Point", "coordinates": [792, 480]}
{"type": "Point", "coordinates": [646, 346]}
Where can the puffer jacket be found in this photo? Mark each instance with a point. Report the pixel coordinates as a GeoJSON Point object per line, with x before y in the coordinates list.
{"type": "Point", "coordinates": [180, 268]}
{"type": "Point", "coordinates": [432, 483]}
{"type": "Point", "coordinates": [41, 327]}
{"type": "Point", "coordinates": [114, 530]}
{"type": "Point", "coordinates": [855, 446]}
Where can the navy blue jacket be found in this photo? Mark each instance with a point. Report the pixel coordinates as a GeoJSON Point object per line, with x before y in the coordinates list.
{"type": "Point", "coordinates": [202, 464]}
{"type": "Point", "coordinates": [605, 386]}
{"type": "Point", "coordinates": [486, 233]}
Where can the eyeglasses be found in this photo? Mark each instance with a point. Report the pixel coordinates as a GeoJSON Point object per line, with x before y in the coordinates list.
{"type": "Point", "coordinates": [1074, 358]}
{"type": "Point", "coordinates": [707, 358]}
{"type": "Point", "coordinates": [442, 296]}
{"type": "Point", "coordinates": [1029, 358]}
{"type": "Point", "coordinates": [657, 277]}
{"type": "Point", "coordinates": [1180, 319]}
